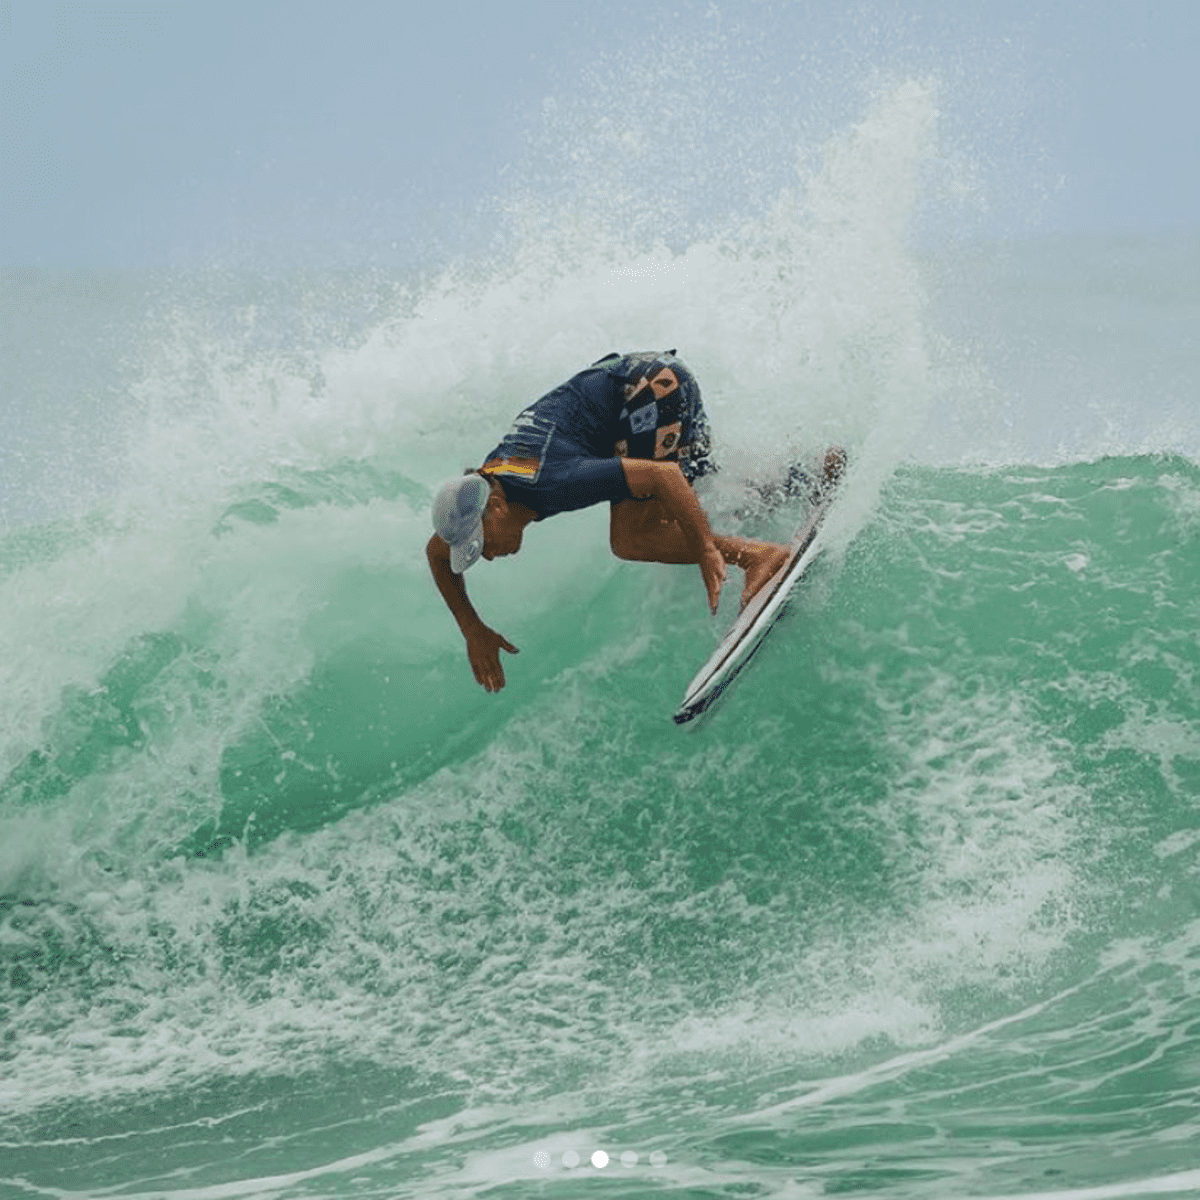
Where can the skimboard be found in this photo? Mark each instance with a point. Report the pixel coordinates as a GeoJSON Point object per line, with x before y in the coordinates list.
{"type": "Point", "coordinates": [754, 622]}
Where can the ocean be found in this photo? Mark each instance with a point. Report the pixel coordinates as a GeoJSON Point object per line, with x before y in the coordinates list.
{"type": "Point", "coordinates": [290, 907]}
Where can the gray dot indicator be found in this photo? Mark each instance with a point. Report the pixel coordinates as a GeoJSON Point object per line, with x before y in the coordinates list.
{"type": "Point", "coordinates": [570, 1159]}
{"type": "Point", "coordinates": [629, 1158]}
{"type": "Point", "coordinates": [541, 1159]}
{"type": "Point", "coordinates": [658, 1158]}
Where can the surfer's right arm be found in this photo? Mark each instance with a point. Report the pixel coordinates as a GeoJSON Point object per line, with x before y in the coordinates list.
{"type": "Point", "coordinates": [673, 530]}
{"type": "Point", "coordinates": [483, 644]}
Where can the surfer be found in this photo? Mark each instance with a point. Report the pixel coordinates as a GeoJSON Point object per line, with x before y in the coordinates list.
{"type": "Point", "coordinates": [631, 430]}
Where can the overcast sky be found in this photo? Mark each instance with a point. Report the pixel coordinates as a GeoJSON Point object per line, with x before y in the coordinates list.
{"type": "Point", "coordinates": [308, 131]}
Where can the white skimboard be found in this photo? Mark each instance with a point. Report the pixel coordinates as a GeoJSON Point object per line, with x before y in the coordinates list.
{"type": "Point", "coordinates": [755, 620]}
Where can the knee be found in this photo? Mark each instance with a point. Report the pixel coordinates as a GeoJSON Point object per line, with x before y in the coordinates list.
{"type": "Point", "coordinates": [627, 536]}
{"type": "Point", "coordinates": [624, 542]}
{"type": "Point", "coordinates": [634, 529]}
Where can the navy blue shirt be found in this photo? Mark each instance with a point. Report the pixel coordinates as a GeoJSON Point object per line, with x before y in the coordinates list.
{"type": "Point", "coordinates": [559, 454]}
{"type": "Point", "coordinates": [564, 451]}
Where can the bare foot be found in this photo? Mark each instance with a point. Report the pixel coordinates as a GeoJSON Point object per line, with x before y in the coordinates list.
{"type": "Point", "coordinates": [765, 564]}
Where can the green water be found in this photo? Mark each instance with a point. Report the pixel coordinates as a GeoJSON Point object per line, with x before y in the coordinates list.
{"type": "Point", "coordinates": [913, 913]}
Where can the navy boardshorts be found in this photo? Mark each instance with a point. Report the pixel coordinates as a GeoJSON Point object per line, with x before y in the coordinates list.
{"type": "Point", "coordinates": [563, 452]}
{"type": "Point", "coordinates": [662, 416]}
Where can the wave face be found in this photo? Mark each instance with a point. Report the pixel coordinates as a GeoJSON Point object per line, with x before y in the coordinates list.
{"type": "Point", "coordinates": [289, 906]}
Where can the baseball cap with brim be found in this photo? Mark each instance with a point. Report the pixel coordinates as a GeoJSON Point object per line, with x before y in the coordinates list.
{"type": "Point", "coordinates": [458, 518]}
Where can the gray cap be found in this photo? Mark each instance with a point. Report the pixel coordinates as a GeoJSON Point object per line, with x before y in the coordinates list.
{"type": "Point", "coordinates": [458, 518]}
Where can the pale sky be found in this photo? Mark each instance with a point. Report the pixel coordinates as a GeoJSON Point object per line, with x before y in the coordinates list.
{"type": "Point", "coordinates": [312, 132]}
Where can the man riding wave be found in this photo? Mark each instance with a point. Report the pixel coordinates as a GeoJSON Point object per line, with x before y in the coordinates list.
{"type": "Point", "coordinates": [630, 429]}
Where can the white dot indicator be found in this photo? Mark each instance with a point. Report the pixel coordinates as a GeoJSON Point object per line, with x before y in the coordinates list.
{"type": "Point", "coordinates": [599, 1159]}
{"type": "Point", "coordinates": [570, 1159]}
{"type": "Point", "coordinates": [629, 1158]}
{"type": "Point", "coordinates": [541, 1159]}
{"type": "Point", "coordinates": [658, 1158]}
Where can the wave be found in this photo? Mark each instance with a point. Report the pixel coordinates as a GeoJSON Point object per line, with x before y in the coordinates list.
{"type": "Point", "coordinates": [262, 836]}
{"type": "Point", "coordinates": [975, 732]}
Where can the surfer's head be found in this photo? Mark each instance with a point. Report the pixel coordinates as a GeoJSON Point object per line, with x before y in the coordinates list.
{"type": "Point", "coordinates": [473, 517]}
{"type": "Point", "coordinates": [458, 510]}
{"type": "Point", "coordinates": [503, 528]}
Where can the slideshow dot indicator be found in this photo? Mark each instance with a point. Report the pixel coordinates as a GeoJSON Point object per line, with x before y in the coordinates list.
{"type": "Point", "coordinates": [541, 1159]}
{"type": "Point", "coordinates": [599, 1159]}
{"type": "Point", "coordinates": [570, 1159]}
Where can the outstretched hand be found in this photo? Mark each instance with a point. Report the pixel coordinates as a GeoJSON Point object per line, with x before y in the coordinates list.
{"type": "Point", "coordinates": [483, 649]}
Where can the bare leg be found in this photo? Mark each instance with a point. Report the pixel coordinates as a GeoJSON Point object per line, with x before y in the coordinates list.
{"type": "Point", "coordinates": [641, 532]}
